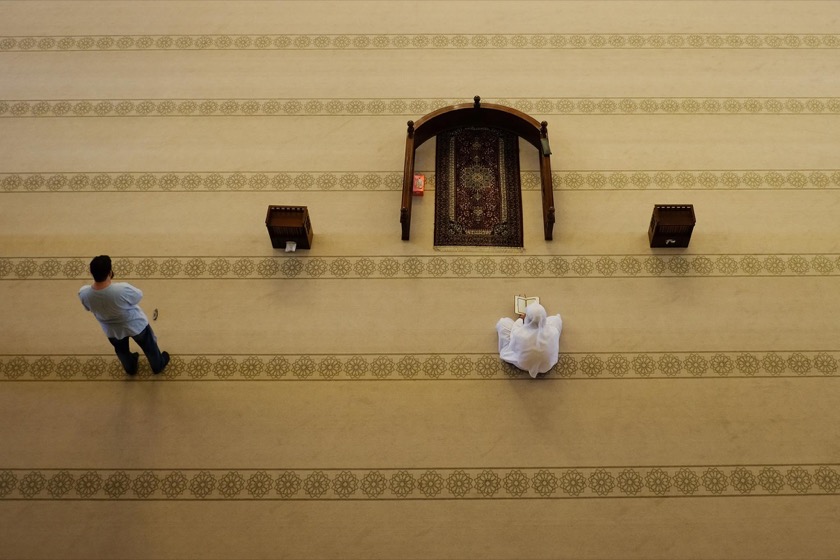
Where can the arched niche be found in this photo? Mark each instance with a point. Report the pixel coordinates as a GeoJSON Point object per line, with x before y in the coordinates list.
{"type": "Point", "coordinates": [472, 115]}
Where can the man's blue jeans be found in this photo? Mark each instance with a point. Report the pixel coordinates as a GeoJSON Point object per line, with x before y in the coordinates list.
{"type": "Point", "coordinates": [147, 340]}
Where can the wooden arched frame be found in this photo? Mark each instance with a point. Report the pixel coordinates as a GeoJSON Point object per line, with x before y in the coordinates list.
{"type": "Point", "coordinates": [473, 115]}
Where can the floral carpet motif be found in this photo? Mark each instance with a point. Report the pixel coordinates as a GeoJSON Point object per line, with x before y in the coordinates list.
{"type": "Point", "coordinates": [478, 199]}
{"type": "Point", "coordinates": [236, 181]}
{"type": "Point", "coordinates": [421, 484]}
{"type": "Point", "coordinates": [262, 107]}
{"type": "Point", "coordinates": [396, 367]}
{"type": "Point", "coordinates": [425, 266]}
{"type": "Point", "coordinates": [41, 43]}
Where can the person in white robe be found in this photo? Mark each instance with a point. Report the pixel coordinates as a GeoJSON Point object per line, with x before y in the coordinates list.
{"type": "Point", "coordinates": [532, 342]}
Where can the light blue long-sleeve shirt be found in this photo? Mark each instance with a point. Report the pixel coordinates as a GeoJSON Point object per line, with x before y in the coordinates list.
{"type": "Point", "coordinates": [116, 309]}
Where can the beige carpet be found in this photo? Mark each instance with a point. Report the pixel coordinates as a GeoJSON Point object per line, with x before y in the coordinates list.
{"type": "Point", "coordinates": [346, 401]}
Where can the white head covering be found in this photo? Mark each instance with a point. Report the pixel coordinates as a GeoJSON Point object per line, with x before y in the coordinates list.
{"type": "Point", "coordinates": [535, 345]}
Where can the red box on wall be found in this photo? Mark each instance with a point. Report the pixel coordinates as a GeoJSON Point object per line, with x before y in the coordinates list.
{"type": "Point", "coordinates": [419, 185]}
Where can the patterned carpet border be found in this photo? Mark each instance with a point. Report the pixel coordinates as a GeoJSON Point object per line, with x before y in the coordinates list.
{"type": "Point", "coordinates": [256, 181]}
{"type": "Point", "coordinates": [715, 41]}
{"type": "Point", "coordinates": [693, 481]}
{"type": "Point", "coordinates": [428, 367]}
{"type": "Point", "coordinates": [203, 107]}
{"type": "Point", "coordinates": [428, 267]}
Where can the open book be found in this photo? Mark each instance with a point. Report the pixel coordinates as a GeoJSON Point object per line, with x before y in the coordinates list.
{"type": "Point", "coordinates": [521, 302]}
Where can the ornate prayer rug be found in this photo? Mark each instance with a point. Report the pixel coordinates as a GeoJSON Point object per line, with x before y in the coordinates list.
{"type": "Point", "coordinates": [478, 199]}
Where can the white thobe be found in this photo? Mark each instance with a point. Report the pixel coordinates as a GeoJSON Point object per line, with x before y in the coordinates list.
{"type": "Point", "coordinates": [532, 344]}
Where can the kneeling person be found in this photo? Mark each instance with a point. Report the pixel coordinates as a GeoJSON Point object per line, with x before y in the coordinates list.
{"type": "Point", "coordinates": [532, 342]}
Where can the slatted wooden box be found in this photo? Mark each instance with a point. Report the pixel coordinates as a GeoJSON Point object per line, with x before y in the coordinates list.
{"type": "Point", "coordinates": [671, 225]}
{"type": "Point", "coordinates": [289, 223]}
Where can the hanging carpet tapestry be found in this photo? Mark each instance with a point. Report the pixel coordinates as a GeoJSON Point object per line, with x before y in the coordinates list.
{"type": "Point", "coordinates": [478, 199]}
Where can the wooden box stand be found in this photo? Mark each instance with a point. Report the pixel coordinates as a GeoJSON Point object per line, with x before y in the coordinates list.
{"type": "Point", "coordinates": [289, 223]}
{"type": "Point", "coordinates": [671, 225]}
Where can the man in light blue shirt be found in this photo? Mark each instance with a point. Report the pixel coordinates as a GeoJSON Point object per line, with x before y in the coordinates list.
{"type": "Point", "coordinates": [114, 304]}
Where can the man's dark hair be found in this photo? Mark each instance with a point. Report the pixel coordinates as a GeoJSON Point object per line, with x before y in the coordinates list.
{"type": "Point", "coordinates": [100, 267]}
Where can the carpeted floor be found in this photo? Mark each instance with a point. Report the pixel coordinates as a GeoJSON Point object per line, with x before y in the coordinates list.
{"type": "Point", "coordinates": [346, 401]}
